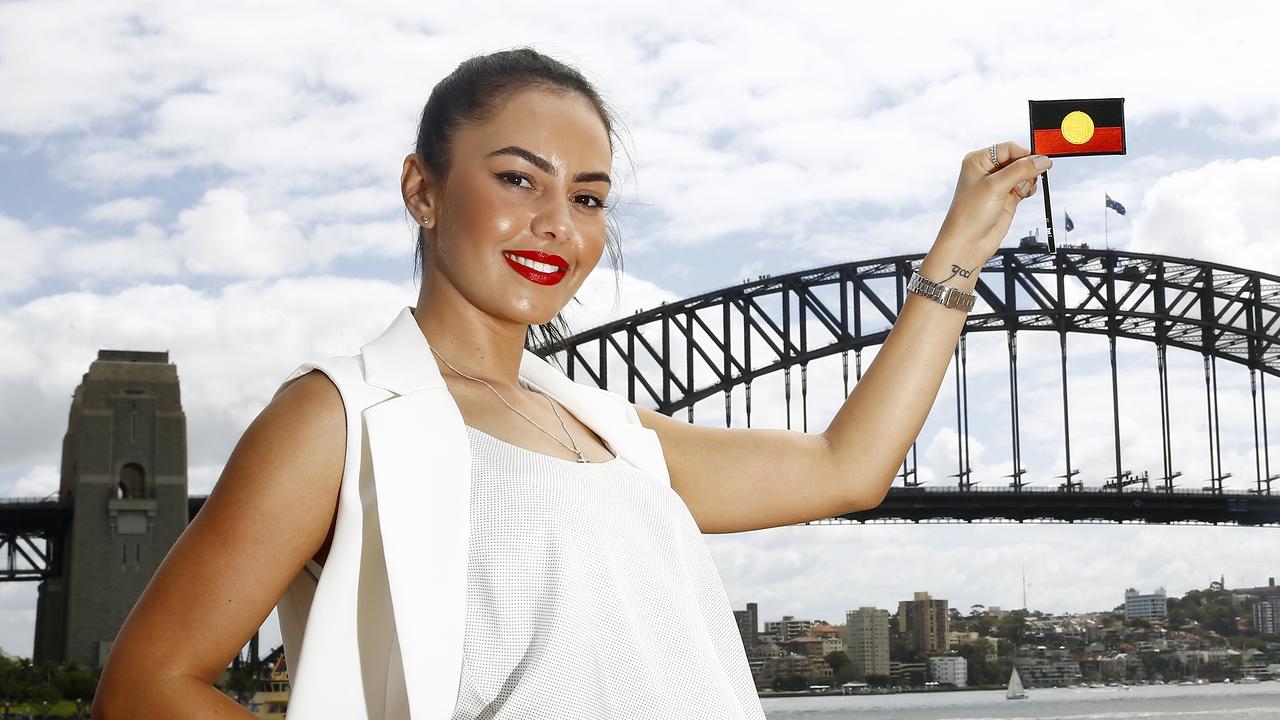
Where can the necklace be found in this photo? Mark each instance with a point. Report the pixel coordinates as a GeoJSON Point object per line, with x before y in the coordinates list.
{"type": "Point", "coordinates": [575, 448]}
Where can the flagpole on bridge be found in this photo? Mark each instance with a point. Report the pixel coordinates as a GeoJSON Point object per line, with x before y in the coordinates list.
{"type": "Point", "coordinates": [1106, 235]}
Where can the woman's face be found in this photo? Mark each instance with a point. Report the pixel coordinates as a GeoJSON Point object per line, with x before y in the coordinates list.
{"type": "Point", "coordinates": [530, 181]}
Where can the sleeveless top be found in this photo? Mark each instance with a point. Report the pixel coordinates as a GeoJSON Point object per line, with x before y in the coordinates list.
{"type": "Point", "coordinates": [591, 594]}
{"type": "Point", "coordinates": [379, 632]}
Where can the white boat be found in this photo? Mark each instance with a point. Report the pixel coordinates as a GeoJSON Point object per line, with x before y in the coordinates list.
{"type": "Point", "coordinates": [1015, 691]}
{"type": "Point", "coordinates": [1248, 680]}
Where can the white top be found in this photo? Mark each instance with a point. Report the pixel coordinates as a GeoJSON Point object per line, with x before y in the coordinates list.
{"type": "Point", "coordinates": [591, 594]}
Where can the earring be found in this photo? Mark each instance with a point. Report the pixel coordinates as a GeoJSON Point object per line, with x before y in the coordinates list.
{"type": "Point", "coordinates": [426, 221]}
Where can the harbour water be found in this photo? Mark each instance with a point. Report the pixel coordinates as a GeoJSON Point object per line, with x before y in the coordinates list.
{"type": "Point", "coordinates": [1197, 702]}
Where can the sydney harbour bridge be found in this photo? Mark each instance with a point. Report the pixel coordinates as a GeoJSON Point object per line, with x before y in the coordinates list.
{"type": "Point", "coordinates": [686, 354]}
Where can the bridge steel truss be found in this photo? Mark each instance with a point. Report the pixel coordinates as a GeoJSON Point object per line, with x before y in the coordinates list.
{"type": "Point", "coordinates": [673, 356]}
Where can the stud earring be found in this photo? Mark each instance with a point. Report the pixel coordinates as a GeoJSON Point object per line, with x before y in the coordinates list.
{"type": "Point", "coordinates": [426, 221]}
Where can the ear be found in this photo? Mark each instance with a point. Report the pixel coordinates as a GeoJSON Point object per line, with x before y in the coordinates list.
{"type": "Point", "coordinates": [416, 188]}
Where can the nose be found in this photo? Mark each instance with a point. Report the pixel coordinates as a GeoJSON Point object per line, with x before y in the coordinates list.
{"type": "Point", "coordinates": [553, 221]}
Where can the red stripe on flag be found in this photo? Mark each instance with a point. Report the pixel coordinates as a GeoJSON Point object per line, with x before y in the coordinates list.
{"type": "Point", "coordinates": [1104, 140]}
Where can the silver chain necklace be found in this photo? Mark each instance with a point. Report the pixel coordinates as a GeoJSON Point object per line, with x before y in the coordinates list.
{"type": "Point", "coordinates": [575, 448]}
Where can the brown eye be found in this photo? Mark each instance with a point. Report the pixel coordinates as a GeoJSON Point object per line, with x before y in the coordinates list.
{"type": "Point", "coordinates": [509, 177]}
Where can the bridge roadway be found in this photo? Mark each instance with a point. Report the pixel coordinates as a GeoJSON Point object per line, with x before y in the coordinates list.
{"type": "Point", "coordinates": [31, 528]}
{"type": "Point", "coordinates": [23, 516]}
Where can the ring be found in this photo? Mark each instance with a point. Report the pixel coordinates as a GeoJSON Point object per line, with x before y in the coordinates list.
{"type": "Point", "coordinates": [995, 160]}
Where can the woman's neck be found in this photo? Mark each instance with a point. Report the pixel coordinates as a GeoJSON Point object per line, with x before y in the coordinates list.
{"type": "Point", "coordinates": [471, 341]}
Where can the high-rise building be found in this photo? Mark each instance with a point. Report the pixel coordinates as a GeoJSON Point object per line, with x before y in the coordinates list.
{"type": "Point", "coordinates": [1147, 607]}
{"type": "Point", "coordinates": [748, 625]}
{"type": "Point", "coordinates": [866, 640]}
{"type": "Point", "coordinates": [1266, 617]}
{"type": "Point", "coordinates": [926, 622]}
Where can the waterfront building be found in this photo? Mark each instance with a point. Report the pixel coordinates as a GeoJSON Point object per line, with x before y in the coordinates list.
{"type": "Point", "coordinates": [271, 690]}
{"type": "Point", "coordinates": [787, 628]}
{"type": "Point", "coordinates": [1266, 617]}
{"type": "Point", "coordinates": [907, 674]}
{"type": "Point", "coordinates": [1041, 666]}
{"type": "Point", "coordinates": [748, 625]}
{"type": "Point", "coordinates": [955, 639]}
{"type": "Point", "coordinates": [1147, 607]}
{"type": "Point", "coordinates": [867, 640]}
{"type": "Point", "coordinates": [949, 670]}
{"type": "Point", "coordinates": [926, 622]}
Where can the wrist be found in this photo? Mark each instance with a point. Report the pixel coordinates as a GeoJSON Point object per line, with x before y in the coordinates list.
{"type": "Point", "coordinates": [953, 264]}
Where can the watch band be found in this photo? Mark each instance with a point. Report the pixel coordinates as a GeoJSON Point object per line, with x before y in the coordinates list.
{"type": "Point", "coordinates": [944, 294]}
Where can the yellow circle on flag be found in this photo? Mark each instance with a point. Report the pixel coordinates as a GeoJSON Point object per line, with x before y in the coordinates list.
{"type": "Point", "coordinates": [1077, 127]}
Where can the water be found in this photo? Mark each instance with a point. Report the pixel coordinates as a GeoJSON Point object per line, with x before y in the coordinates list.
{"type": "Point", "coordinates": [1196, 702]}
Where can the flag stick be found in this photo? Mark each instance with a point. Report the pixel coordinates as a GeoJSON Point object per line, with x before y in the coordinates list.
{"type": "Point", "coordinates": [1048, 211]}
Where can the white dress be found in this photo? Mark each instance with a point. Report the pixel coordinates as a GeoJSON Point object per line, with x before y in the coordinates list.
{"type": "Point", "coordinates": [591, 594]}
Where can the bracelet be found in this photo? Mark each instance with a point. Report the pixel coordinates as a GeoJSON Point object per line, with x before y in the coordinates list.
{"type": "Point", "coordinates": [944, 294]}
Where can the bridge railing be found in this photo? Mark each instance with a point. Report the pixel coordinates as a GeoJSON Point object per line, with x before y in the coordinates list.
{"type": "Point", "coordinates": [33, 501]}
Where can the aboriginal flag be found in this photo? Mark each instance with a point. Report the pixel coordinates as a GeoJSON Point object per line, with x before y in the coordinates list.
{"type": "Point", "coordinates": [1077, 127]}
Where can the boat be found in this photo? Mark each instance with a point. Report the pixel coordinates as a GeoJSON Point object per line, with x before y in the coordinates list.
{"type": "Point", "coordinates": [1014, 691]}
{"type": "Point", "coordinates": [1249, 680]}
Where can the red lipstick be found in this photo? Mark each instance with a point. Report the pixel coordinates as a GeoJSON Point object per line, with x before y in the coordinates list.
{"type": "Point", "coordinates": [539, 276]}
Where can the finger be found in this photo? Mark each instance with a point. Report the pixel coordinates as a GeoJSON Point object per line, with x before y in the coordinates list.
{"type": "Point", "coordinates": [1025, 189]}
{"type": "Point", "coordinates": [1005, 153]}
{"type": "Point", "coordinates": [1026, 168]}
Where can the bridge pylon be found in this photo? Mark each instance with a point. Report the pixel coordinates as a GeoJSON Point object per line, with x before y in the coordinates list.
{"type": "Point", "coordinates": [124, 473]}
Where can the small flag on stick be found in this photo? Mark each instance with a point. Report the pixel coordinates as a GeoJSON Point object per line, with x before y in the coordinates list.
{"type": "Point", "coordinates": [1115, 205]}
{"type": "Point", "coordinates": [1068, 224]}
{"type": "Point", "coordinates": [1077, 127]}
{"type": "Point", "coordinates": [1074, 127]}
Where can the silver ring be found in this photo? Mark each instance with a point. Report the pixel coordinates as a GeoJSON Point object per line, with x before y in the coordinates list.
{"type": "Point", "coordinates": [995, 160]}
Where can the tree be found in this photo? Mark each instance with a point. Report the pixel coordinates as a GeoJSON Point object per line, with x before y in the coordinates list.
{"type": "Point", "coordinates": [981, 670]}
{"type": "Point", "coordinates": [879, 681]}
{"type": "Point", "coordinates": [75, 685]}
{"type": "Point", "coordinates": [1014, 626]}
{"type": "Point", "coordinates": [239, 683]}
{"type": "Point", "coordinates": [791, 682]}
{"type": "Point", "coordinates": [841, 667]}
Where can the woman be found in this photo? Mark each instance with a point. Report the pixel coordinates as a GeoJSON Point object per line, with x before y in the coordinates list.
{"type": "Point", "coordinates": [445, 471]}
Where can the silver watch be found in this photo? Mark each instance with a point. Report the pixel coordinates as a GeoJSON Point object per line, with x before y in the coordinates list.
{"type": "Point", "coordinates": [945, 294]}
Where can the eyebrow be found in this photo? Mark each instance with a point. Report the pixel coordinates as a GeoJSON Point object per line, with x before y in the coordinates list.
{"type": "Point", "coordinates": [542, 164]}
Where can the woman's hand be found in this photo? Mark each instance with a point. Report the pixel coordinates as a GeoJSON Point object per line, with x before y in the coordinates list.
{"type": "Point", "coordinates": [987, 195]}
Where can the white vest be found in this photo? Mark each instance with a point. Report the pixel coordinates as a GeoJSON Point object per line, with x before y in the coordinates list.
{"type": "Point", "coordinates": [390, 601]}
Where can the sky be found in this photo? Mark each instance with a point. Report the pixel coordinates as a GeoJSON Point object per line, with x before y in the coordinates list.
{"type": "Point", "coordinates": [220, 181]}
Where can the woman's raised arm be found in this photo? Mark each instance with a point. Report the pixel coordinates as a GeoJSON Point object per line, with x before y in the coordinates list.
{"type": "Point", "coordinates": [737, 479]}
{"type": "Point", "coordinates": [271, 511]}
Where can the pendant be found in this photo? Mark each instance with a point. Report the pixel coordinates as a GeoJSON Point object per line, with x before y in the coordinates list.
{"type": "Point", "coordinates": [582, 459]}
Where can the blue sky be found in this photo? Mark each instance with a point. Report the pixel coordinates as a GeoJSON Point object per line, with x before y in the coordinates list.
{"type": "Point", "coordinates": [220, 181]}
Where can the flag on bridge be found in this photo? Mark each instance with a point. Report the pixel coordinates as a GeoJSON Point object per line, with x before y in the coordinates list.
{"type": "Point", "coordinates": [1077, 127]}
{"type": "Point", "coordinates": [1114, 205]}
{"type": "Point", "coordinates": [1068, 224]}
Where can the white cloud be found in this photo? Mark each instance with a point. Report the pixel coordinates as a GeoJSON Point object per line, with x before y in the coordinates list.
{"type": "Point", "coordinates": [124, 210]}
{"type": "Point", "coordinates": [39, 481]}
{"type": "Point", "coordinates": [1223, 212]}
{"type": "Point", "coordinates": [25, 253]}
{"type": "Point", "coordinates": [220, 236]}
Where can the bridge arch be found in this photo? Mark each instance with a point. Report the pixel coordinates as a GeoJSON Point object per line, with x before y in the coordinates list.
{"type": "Point", "coordinates": [673, 356]}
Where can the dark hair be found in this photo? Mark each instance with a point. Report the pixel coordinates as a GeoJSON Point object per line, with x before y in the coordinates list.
{"type": "Point", "coordinates": [471, 94]}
